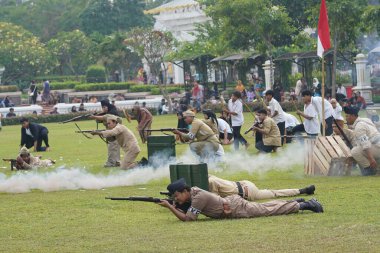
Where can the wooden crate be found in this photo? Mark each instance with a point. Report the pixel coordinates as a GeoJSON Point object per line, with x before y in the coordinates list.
{"type": "Point", "coordinates": [328, 156]}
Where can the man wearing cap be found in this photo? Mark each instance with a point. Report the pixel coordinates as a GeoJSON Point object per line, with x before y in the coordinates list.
{"type": "Point", "coordinates": [113, 148]}
{"type": "Point", "coordinates": [249, 190]}
{"type": "Point", "coordinates": [26, 161]}
{"type": "Point", "coordinates": [33, 134]}
{"type": "Point", "coordinates": [365, 139]}
{"type": "Point", "coordinates": [271, 137]}
{"type": "Point", "coordinates": [144, 119]}
{"type": "Point", "coordinates": [204, 142]}
{"type": "Point", "coordinates": [233, 206]}
{"type": "Point", "coordinates": [124, 137]}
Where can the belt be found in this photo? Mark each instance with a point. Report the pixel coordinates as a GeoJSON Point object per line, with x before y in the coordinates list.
{"type": "Point", "coordinates": [240, 189]}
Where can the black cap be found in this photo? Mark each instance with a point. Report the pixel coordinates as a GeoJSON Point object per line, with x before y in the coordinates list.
{"type": "Point", "coordinates": [351, 110]}
{"type": "Point", "coordinates": [177, 185]}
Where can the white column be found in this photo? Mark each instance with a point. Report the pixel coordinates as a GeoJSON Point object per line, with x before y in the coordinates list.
{"type": "Point", "coordinates": [269, 74]}
{"type": "Point", "coordinates": [363, 80]}
{"type": "Point", "coordinates": [178, 73]}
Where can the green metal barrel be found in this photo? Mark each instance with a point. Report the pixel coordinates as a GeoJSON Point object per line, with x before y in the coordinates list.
{"type": "Point", "coordinates": [161, 147]}
{"type": "Point", "coordinates": [194, 174]}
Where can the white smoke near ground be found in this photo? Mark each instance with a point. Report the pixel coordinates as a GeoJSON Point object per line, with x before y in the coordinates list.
{"type": "Point", "coordinates": [64, 178]}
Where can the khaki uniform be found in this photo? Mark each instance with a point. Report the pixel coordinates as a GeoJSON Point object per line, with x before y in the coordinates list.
{"type": "Point", "coordinates": [271, 135]}
{"type": "Point", "coordinates": [233, 206]}
{"type": "Point", "coordinates": [144, 118]}
{"type": "Point", "coordinates": [36, 162]}
{"type": "Point", "coordinates": [212, 125]}
{"type": "Point", "coordinates": [364, 136]}
{"type": "Point", "coordinates": [249, 190]}
{"type": "Point", "coordinates": [205, 142]}
{"type": "Point", "coordinates": [113, 148]}
{"type": "Point", "coordinates": [127, 141]}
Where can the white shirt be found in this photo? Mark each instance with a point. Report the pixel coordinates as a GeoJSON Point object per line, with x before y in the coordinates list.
{"type": "Point", "coordinates": [317, 103]}
{"type": "Point", "coordinates": [342, 90]}
{"type": "Point", "coordinates": [274, 106]}
{"type": "Point", "coordinates": [312, 126]}
{"type": "Point", "coordinates": [237, 107]}
{"type": "Point", "coordinates": [297, 90]}
{"type": "Point", "coordinates": [223, 125]}
{"type": "Point", "coordinates": [28, 132]}
{"type": "Point", "coordinates": [337, 113]}
{"type": "Point", "coordinates": [290, 120]}
{"type": "Point", "coordinates": [165, 108]}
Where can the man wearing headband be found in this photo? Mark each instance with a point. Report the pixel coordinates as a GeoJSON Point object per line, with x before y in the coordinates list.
{"type": "Point", "coordinates": [366, 141]}
{"type": "Point", "coordinates": [230, 207]}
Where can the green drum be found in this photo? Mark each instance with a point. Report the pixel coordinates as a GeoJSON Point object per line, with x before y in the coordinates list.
{"type": "Point", "coordinates": [161, 147]}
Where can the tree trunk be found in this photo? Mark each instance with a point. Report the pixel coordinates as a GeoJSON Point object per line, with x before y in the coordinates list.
{"type": "Point", "coordinates": [333, 74]}
{"type": "Point", "coordinates": [122, 75]}
{"type": "Point", "coordinates": [155, 71]}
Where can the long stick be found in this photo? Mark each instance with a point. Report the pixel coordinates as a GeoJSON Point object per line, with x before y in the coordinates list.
{"type": "Point", "coordinates": [323, 98]}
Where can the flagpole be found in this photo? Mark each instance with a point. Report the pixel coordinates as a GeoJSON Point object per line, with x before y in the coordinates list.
{"type": "Point", "coordinates": [323, 98]}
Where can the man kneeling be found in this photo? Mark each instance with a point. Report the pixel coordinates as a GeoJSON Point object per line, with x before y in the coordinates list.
{"type": "Point", "coordinates": [233, 206]}
{"type": "Point", "coordinates": [271, 137]}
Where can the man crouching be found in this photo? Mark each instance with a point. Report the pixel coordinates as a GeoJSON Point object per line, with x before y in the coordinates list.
{"type": "Point", "coordinates": [233, 206]}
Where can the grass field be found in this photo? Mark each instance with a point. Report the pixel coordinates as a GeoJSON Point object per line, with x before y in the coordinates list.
{"type": "Point", "coordinates": [82, 220]}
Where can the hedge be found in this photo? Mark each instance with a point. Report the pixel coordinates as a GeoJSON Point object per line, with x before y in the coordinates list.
{"type": "Point", "coordinates": [103, 86]}
{"type": "Point", "coordinates": [55, 118]}
{"type": "Point", "coordinates": [157, 91]}
{"type": "Point", "coordinates": [96, 74]}
{"type": "Point", "coordinates": [141, 88]}
{"type": "Point", "coordinates": [61, 79]}
{"type": "Point", "coordinates": [8, 88]}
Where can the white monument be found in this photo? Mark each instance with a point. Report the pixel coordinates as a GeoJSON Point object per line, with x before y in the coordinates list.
{"type": "Point", "coordinates": [180, 18]}
{"type": "Point", "coordinates": [363, 78]}
{"type": "Point", "coordinates": [269, 74]}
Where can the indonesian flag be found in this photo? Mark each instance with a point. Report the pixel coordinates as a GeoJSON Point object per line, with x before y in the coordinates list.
{"type": "Point", "coordinates": [323, 30]}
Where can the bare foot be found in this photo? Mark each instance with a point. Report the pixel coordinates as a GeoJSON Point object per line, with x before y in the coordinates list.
{"type": "Point", "coordinates": [47, 149]}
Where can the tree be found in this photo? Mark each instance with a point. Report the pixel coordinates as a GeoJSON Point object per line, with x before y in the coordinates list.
{"type": "Point", "coordinates": [73, 52]}
{"type": "Point", "coordinates": [153, 47]}
{"type": "Point", "coordinates": [21, 53]}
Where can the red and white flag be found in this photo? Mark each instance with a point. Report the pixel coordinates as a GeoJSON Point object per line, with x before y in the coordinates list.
{"type": "Point", "coordinates": [323, 30]}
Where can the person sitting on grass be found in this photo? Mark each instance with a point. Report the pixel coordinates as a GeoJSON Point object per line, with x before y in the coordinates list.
{"type": "Point", "coordinates": [230, 207]}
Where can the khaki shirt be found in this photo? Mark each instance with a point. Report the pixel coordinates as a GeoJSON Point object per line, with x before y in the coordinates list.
{"type": "Point", "coordinates": [365, 133]}
{"type": "Point", "coordinates": [271, 133]}
{"type": "Point", "coordinates": [124, 137]}
{"type": "Point", "coordinates": [206, 203]}
{"type": "Point", "coordinates": [36, 162]}
{"type": "Point", "coordinates": [144, 118]}
{"type": "Point", "coordinates": [104, 121]}
{"type": "Point", "coordinates": [199, 131]}
{"type": "Point", "coordinates": [212, 125]}
{"type": "Point", "coordinates": [222, 187]}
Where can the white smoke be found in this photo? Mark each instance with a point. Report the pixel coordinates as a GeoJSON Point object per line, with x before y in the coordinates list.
{"type": "Point", "coordinates": [79, 178]}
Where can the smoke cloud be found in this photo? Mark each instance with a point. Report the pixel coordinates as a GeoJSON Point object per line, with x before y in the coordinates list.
{"type": "Point", "coordinates": [64, 178]}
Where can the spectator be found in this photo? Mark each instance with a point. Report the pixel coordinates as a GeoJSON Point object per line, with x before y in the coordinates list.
{"type": "Point", "coordinates": [175, 106]}
{"type": "Point", "coordinates": [341, 92]}
{"type": "Point", "coordinates": [240, 87]}
{"type": "Point", "coordinates": [216, 92]}
{"type": "Point", "coordinates": [11, 113]}
{"type": "Point", "coordinates": [85, 99]}
{"type": "Point", "coordinates": [165, 108]}
{"type": "Point", "coordinates": [259, 86]}
{"type": "Point", "coordinates": [81, 108]}
{"type": "Point", "coordinates": [8, 102]}
{"type": "Point", "coordinates": [76, 100]}
{"type": "Point", "coordinates": [34, 113]}
{"type": "Point", "coordinates": [93, 99]}
{"type": "Point", "coordinates": [74, 109]}
{"type": "Point", "coordinates": [277, 89]}
{"type": "Point", "coordinates": [160, 106]}
{"type": "Point", "coordinates": [33, 92]}
{"type": "Point", "coordinates": [299, 88]}
{"type": "Point", "coordinates": [55, 111]}
{"type": "Point", "coordinates": [39, 98]}
{"type": "Point", "coordinates": [143, 105]}
{"type": "Point", "coordinates": [317, 88]}
{"type": "Point", "coordinates": [337, 112]}
{"type": "Point", "coordinates": [251, 94]}
{"type": "Point", "coordinates": [46, 91]}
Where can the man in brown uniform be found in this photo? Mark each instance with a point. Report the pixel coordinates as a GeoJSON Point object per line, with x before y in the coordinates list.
{"type": "Point", "coordinates": [26, 161]}
{"type": "Point", "coordinates": [249, 190]}
{"type": "Point", "coordinates": [271, 137]}
{"type": "Point", "coordinates": [204, 141]}
{"type": "Point", "coordinates": [125, 138]}
{"type": "Point", "coordinates": [366, 141]}
{"type": "Point", "coordinates": [144, 118]}
{"type": "Point", "coordinates": [233, 206]}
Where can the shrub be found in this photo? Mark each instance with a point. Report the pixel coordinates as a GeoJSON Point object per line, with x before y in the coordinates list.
{"type": "Point", "coordinates": [96, 74]}
{"type": "Point", "coordinates": [157, 91]}
{"type": "Point", "coordinates": [60, 79]}
{"type": "Point", "coordinates": [293, 79]}
{"type": "Point", "coordinates": [103, 86]}
{"type": "Point", "coordinates": [8, 88]}
{"type": "Point", "coordinates": [142, 88]}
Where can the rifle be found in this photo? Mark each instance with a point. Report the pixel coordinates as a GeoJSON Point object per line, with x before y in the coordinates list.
{"type": "Point", "coordinates": [184, 130]}
{"type": "Point", "coordinates": [77, 118]}
{"type": "Point", "coordinates": [257, 124]}
{"type": "Point", "coordinates": [184, 207]}
{"type": "Point", "coordinates": [12, 161]}
{"type": "Point", "coordinates": [89, 131]}
{"type": "Point", "coordinates": [343, 134]}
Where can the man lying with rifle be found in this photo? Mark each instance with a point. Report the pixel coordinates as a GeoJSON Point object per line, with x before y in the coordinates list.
{"type": "Point", "coordinates": [26, 161]}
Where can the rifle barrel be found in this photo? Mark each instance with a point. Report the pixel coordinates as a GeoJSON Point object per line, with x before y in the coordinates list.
{"type": "Point", "coordinates": [144, 199]}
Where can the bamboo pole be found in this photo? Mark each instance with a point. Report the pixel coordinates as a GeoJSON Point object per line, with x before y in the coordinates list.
{"type": "Point", "coordinates": [323, 98]}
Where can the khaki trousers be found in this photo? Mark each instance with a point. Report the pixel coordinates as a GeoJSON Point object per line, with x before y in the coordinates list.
{"type": "Point", "coordinates": [144, 134]}
{"type": "Point", "coordinates": [129, 160]}
{"type": "Point", "coordinates": [255, 193]}
{"type": "Point", "coordinates": [113, 153]}
{"type": "Point", "coordinates": [204, 149]}
{"type": "Point", "coordinates": [360, 157]}
{"type": "Point", "coordinates": [241, 208]}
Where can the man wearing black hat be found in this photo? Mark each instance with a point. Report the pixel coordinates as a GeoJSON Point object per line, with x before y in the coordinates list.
{"type": "Point", "coordinates": [33, 134]}
{"type": "Point", "coordinates": [113, 158]}
{"type": "Point", "coordinates": [366, 141]}
{"type": "Point", "coordinates": [233, 206]}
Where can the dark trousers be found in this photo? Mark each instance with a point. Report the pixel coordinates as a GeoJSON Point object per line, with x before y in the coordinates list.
{"type": "Point", "coordinates": [301, 129]}
{"type": "Point", "coordinates": [238, 137]}
{"type": "Point", "coordinates": [43, 137]}
{"type": "Point", "coordinates": [329, 128]}
{"type": "Point", "coordinates": [281, 126]}
{"type": "Point", "coordinates": [229, 136]}
{"type": "Point", "coordinates": [263, 148]}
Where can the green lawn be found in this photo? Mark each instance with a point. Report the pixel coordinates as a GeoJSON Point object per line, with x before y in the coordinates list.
{"type": "Point", "coordinates": [82, 220]}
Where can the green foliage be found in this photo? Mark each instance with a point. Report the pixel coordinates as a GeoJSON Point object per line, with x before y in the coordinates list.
{"type": "Point", "coordinates": [157, 91]}
{"type": "Point", "coordinates": [55, 78]}
{"type": "Point", "coordinates": [8, 88]}
{"type": "Point", "coordinates": [376, 99]}
{"type": "Point", "coordinates": [96, 74]}
{"type": "Point", "coordinates": [142, 88]}
{"type": "Point", "coordinates": [103, 86]}
{"type": "Point", "coordinates": [21, 53]}
{"type": "Point", "coordinates": [294, 78]}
